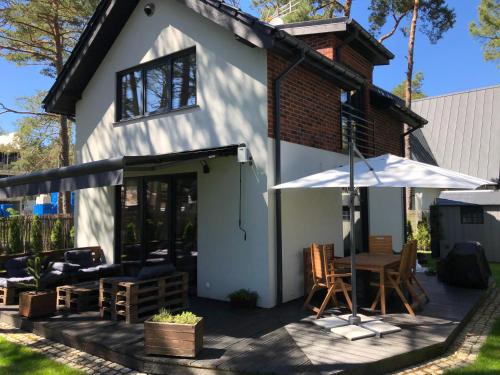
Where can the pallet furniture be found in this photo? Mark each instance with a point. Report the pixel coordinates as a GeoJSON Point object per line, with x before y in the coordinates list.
{"type": "Point", "coordinates": [325, 276]}
{"type": "Point", "coordinates": [79, 297]}
{"type": "Point", "coordinates": [380, 244]}
{"type": "Point", "coordinates": [135, 301]}
{"type": "Point", "coordinates": [9, 296]}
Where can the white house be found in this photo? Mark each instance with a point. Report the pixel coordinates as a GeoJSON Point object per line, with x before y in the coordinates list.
{"type": "Point", "coordinates": [178, 105]}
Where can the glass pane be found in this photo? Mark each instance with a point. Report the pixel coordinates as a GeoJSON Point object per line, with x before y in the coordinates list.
{"type": "Point", "coordinates": [131, 87]}
{"type": "Point", "coordinates": [157, 89]}
{"type": "Point", "coordinates": [157, 223]}
{"type": "Point", "coordinates": [186, 239]}
{"type": "Point", "coordinates": [184, 81]}
{"type": "Point", "coordinates": [131, 234]}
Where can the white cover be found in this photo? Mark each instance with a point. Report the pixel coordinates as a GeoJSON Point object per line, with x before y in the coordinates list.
{"type": "Point", "coordinates": [388, 171]}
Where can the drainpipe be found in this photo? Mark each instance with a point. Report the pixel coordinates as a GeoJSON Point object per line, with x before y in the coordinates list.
{"type": "Point", "coordinates": [277, 176]}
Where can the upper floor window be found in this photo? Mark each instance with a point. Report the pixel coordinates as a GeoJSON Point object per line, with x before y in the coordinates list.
{"type": "Point", "coordinates": [471, 215]}
{"type": "Point", "coordinates": [158, 86]}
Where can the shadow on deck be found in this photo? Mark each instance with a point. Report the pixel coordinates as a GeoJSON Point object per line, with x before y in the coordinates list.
{"type": "Point", "coordinates": [270, 341]}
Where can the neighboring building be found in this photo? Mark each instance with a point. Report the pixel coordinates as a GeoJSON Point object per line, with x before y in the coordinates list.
{"type": "Point", "coordinates": [167, 99]}
{"type": "Point", "coordinates": [463, 134]}
{"type": "Point", "coordinates": [9, 153]}
{"type": "Point", "coordinates": [470, 216]}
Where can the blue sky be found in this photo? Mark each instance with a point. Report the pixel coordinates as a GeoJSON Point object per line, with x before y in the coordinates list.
{"type": "Point", "coordinates": [455, 63]}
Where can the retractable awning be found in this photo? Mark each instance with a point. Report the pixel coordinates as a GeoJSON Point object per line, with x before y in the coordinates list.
{"type": "Point", "coordinates": [108, 172]}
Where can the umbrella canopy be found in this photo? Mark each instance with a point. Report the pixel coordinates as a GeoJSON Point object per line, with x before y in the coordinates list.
{"type": "Point", "coordinates": [388, 171]}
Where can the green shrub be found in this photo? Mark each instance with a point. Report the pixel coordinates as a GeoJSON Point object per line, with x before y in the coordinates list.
{"type": "Point", "coordinates": [165, 316]}
{"type": "Point", "coordinates": [243, 295]}
{"type": "Point", "coordinates": [56, 236]}
{"type": "Point", "coordinates": [130, 236]}
{"type": "Point", "coordinates": [409, 231]}
{"type": "Point", "coordinates": [423, 236]}
{"type": "Point", "coordinates": [36, 235]}
{"type": "Point", "coordinates": [15, 242]}
{"type": "Point", "coordinates": [35, 270]}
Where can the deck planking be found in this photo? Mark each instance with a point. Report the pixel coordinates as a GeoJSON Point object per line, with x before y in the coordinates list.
{"type": "Point", "coordinates": [265, 341]}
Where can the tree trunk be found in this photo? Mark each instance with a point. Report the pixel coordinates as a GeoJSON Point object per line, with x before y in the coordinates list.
{"type": "Point", "coordinates": [64, 197]}
{"type": "Point", "coordinates": [409, 76]}
{"type": "Point", "coordinates": [347, 8]}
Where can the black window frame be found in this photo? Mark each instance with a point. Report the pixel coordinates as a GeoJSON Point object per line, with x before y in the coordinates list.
{"type": "Point", "coordinates": [143, 68]}
{"type": "Point", "coordinates": [471, 214]}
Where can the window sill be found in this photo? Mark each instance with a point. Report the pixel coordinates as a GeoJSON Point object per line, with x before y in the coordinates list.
{"type": "Point", "coordinates": [151, 116]}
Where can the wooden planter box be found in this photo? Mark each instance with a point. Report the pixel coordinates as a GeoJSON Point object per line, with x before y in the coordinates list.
{"type": "Point", "coordinates": [37, 304]}
{"type": "Point", "coordinates": [180, 340]}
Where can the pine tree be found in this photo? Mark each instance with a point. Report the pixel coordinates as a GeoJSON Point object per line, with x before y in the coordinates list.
{"type": "Point", "coordinates": [417, 84]}
{"type": "Point", "coordinates": [56, 236]}
{"type": "Point", "coordinates": [36, 235]}
{"type": "Point", "coordinates": [487, 30]}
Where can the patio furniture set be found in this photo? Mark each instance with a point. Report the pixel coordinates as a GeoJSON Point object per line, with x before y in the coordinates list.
{"type": "Point", "coordinates": [83, 282]}
{"type": "Point", "coordinates": [396, 272]}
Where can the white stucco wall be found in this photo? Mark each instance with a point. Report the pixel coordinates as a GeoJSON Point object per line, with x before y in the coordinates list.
{"type": "Point", "coordinates": [232, 109]}
{"type": "Point", "coordinates": [307, 215]}
{"type": "Point", "coordinates": [385, 207]}
{"type": "Point", "coordinates": [424, 198]}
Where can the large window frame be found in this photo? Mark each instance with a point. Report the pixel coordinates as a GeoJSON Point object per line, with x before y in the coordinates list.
{"type": "Point", "coordinates": [471, 215]}
{"type": "Point", "coordinates": [143, 69]}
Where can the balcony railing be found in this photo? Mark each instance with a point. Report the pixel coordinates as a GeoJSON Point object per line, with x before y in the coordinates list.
{"type": "Point", "coordinates": [363, 130]}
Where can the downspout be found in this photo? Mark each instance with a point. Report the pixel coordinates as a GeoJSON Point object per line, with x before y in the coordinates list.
{"type": "Point", "coordinates": [277, 175]}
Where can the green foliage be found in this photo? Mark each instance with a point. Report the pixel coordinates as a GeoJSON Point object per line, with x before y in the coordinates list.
{"type": "Point", "coordinates": [130, 234]}
{"type": "Point", "coordinates": [20, 360]}
{"type": "Point", "coordinates": [165, 316]}
{"type": "Point", "coordinates": [15, 242]}
{"type": "Point", "coordinates": [409, 231]}
{"type": "Point", "coordinates": [72, 237]}
{"type": "Point", "coordinates": [304, 11]}
{"type": "Point", "coordinates": [423, 236]}
{"type": "Point", "coordinates": [36, 235]}
{"type": "Point", "coordinates": [487, 29]}
{"type": "Point", "coordinates": [416, 87]}
{"type": "Point", "coordinates": [435, 17]}
{"type": "Point", "coordinates": [35, 270]}
{"type": "Point", "coordinates": [243, 295]}
{"type": "Point", "coordinates": [56, 236]}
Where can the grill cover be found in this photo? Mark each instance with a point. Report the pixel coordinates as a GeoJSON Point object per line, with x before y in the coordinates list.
{"type": "Point", "coordinates": [465, 266]}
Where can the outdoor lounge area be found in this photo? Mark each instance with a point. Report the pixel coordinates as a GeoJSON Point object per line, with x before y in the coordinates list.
{"type": "Point", "coordinates": [280, 340]}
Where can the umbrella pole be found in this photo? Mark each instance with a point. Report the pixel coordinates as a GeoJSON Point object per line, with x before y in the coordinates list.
{"type": "Point", "coordinates": [353, 319]}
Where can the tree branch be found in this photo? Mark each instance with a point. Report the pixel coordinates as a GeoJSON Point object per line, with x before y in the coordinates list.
{"type": "Point", "coordinates": [4, 109]}
{"type": "Point", "coordinates": [397, 21]}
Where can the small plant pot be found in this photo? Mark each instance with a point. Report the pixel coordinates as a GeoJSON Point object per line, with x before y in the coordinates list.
{"type": "Point", "coordinates": [178, 340]}
{"type": "Point", "coordinates": [37, 304]}
{"type": "Point", "coordinates": [243, 303]}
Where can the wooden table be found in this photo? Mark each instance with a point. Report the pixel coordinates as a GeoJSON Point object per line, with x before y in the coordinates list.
{"type": "Point", "coordinates": [375, 263]}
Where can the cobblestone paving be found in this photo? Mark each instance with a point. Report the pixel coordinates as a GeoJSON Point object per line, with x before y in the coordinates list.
{"type": "Point", "coordinates": [466, 347]}
{"type": "Point", "coordinates": [64, 354]}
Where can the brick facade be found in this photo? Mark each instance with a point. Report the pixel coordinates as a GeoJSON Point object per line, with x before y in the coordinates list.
{"type": "Point", "coordinates": [310, 104]}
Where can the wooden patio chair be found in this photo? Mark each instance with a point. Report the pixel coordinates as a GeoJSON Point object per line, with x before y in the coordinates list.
{"type": "Point", "coordinates": [380, 244]}
{"type": "Point", "coordinates": [413, 277]}
{"type": "Point", "coordinates": [326, 277]}
{"type": "Point", "coordinates": [397, 280]}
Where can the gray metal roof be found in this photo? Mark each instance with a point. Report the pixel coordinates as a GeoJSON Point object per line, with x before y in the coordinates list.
{"type": "Point", "coordinates": [463, 133]}
{"type": "Point", "coordinates": [468, 197]}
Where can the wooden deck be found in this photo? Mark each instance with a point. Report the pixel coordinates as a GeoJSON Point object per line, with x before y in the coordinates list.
{"type": "Point", "coordinates": [271, 341]}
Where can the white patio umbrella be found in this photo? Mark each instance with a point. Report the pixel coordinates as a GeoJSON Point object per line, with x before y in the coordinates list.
{"type": "Point", "coordinates": [388, 171]}
{"type": "Point", "coordinates": [382, 171]}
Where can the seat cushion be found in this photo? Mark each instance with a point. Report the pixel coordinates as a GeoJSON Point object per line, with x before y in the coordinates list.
{"type": "Point", "coordinates": [14, 281]}
{"type": "Point", "coordinates": [107, 270]}
{"type": "Point", "coordinates": [52, 278]}
{"type": "Point", "coordinates": [150, 272]}
{"type": "Point", "coordinates": [80, 257]}
{"type": "Point", "coordinates": [64, 267]}
{"type": "Point", "coordinates": [17, 267]}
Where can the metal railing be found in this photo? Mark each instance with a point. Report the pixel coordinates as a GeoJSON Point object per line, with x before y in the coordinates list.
{"type": "Point", "coordinates": [363, 130]}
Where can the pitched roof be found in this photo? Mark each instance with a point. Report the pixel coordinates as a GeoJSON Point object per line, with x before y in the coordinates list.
{"type": "Point", "coordinates": [344, 27]}
{"type": "Point", "coordinates": [111, 16]}
{"type": "Point", "coordinates": [386, 100]}
{"type": "Point", "coordinates": [469, 197]}
{"type": "Point", "coordinates": [463, 133]}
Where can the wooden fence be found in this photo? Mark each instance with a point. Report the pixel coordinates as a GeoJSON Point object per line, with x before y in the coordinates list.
{"type": "Point", "coordinates": [25, 222]}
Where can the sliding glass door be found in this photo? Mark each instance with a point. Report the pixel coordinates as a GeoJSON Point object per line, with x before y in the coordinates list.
{"type": "Point", "coordinates": [159, 223]}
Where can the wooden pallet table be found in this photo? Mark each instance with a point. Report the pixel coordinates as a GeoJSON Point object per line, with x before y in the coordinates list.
{"type": "Point", "coordinates": [135, 301]}
{"type": "Point", "coordinates": [79, 297]}
{"type": "Point", "coordinates": [9, 296]}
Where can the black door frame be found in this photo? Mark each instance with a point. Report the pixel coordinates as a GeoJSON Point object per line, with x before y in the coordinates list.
{"type": "Point", "coordinates": [171, 215]}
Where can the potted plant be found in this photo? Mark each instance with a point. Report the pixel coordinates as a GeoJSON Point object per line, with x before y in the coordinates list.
{"type": "Point", "coordinates": [36, 303]}
{"type": "Point", "coordinates": [244, 298]}
{"type": "Point", "coordinates": [178, 335]}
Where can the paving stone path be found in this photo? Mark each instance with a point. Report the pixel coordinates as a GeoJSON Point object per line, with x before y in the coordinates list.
{"type": "Point", "coordinates": [466, 346]}
{"type": "Point", "coordinates": [64, 354]}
